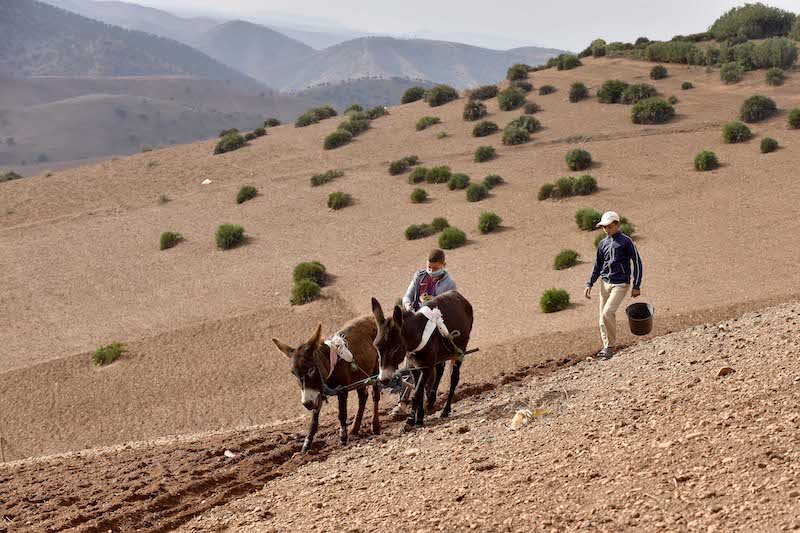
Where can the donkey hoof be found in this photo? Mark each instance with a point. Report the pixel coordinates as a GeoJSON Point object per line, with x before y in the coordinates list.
{"type": "Point", "coordinates": [445, 413]}
{"type": "Point", "coordinates": [376, 429]}
{"type": "Point", "coordinates": [306, 447]}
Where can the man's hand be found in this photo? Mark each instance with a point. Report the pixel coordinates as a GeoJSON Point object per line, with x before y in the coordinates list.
{"type": "Point", "coordinates": [587, 293]}
{"type": "Point", "coordinates": [425, 297]}
{"type": "Point", "coordinates": [635, 293]}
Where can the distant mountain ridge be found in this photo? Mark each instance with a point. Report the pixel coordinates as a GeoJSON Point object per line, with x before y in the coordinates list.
{"type": "Point", "coordinates": [38, 39]}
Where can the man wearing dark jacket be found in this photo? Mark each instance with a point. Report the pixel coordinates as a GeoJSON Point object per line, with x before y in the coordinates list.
{"type": "Point", "coordinates": [615, 255]}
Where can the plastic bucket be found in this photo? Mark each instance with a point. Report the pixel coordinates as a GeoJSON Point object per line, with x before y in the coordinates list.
{"type": "Point", "coordinates": [640, 318]}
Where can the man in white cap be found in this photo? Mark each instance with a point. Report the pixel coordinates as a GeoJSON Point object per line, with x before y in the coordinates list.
{"type": "Point", "coordinates": [615, 254]}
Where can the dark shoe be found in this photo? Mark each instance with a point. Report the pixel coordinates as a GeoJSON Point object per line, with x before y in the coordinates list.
{"type": "Point", "coordinates": [605, 354]}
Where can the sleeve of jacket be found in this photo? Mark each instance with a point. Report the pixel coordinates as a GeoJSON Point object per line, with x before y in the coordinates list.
{"type": "Point", "coordinates": [637, 264]}
{"type": "Point", "coordinates": [411, 292]}
{"type": "Point", "coordinates": [598, 265]}
{"type": "Point", "coordinates": [448, 284]}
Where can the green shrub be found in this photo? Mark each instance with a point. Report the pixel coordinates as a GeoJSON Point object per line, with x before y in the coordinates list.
{"type": "Point", "coordinates": [672, 99]}
{"type": "Point", "coordinates": [794, 118]}
{"type": "Point", "coordinates": [426, 122]}
{"type": "Point", "coordinates": [757, 108]}
{"type": "Point", "coordinates": [752, 21]}
{"type": "Point", "coordinates": [259, 132]}
{"type": "Point", "coordinates": [306, 119]}
{"type": "Point", "coordinates": [564, 187]}
{"type": "Point", "coordinates": [554, 300]}
{"type": "Point", "coordinates": [488, 222]}
{"type": "Point", "coordinates": [510, 99]}
{"type": "Point", "coordinates": [578, 159]}
{"type": "Point", "coordinates": [418, 196]}
{"type": "Point", "coordinates": [775, 77]}
{"type": "Point", "coordinates": [484, 153]}
{"type": "Point", "coordinates": [731, 73]}
{"type": "Point", "coordinates": [736, 132]}
{"type": "Point", "coordinates": [108, 354]}
{"type": "Point", "coordinates": [304, 291]}
{"type": "Point", "coordinates": [9, 176]}
{"type": "Point", "coordinates": [398, 167]}
{"type": "Point", "coordinates": [636, 92]}
{"type": "Point", "coordinates": [578, 92]}
{"type": "Point", "coordinates": [440, 174]}
{"type": "Point", "coordinates": [439, 224]}
{"type": "Point", "coordinates": [484, 128]}
{"type": "Point", "coordinates": [354, 108]}
{"type": "Point", "coordinates": [458, 182]}
{"type": "Point", "coordinates": [442, 135]}
{"type": "Point", "coordinates": [545, 191]}
{"type": "Point", "coordinates": [310, 270]}
{"type": "Point", "coordinates": [492, 180]}
{"type": "Point", "coordinates": [517, 72]}
{"type": "Point", "coordinates": [377, 112]}
{"type": "Point", "coordinates": [513, 136]}
{"type": "Point", "coordinates": [325, 177]}
{"type": "Point", "coordinates": [412, 95]}
{"type": "Point", "coordinates": [231, 131]}
{"type": "Point", "coordinates": [418, 175]}
{"type": "Point", "coordinates": [338, 200]}
{"type": "Point", "coordinates": [229, 236]}
{"type": "Point", "coordinates": [768, 145]}
{"type": "Point", "coordinates": [484, 92]}
{"type": "Point", "coordinates": [248, 192]}
{"type": "Point", "coordinates": [324, 112]}
{"type": "Point", "coordinates": [705, 161]}
{"type": "Point", "coordinates": [170, 239]}
{"type": "Point", "coordinates": [652, 111]}
{"type": "Point", "coordinates": [687, 85]}
{"type": "Point", "coordinates": [658, 72]}
{"type": "Point", "coordinates": [356, 124]}
{"type": "Point", "coordinates": [336, 139]}
{"type": "Point", "coordinates": [531, 108]}
{"type": "Point", "coordinates": [565, 259]}
{"type": "Point", "coordinates": [587, 218]}
{"type": "Point", "coordinates": [473, 110]}
{"type": "Point", "coordinates": [229, 143]}
{"type": "Point", "coordinates": [584, 185]}
{"type": "Point", "coordinates": [523, 85]}
{"type": "Point", "coordinates": [476, 192]}
{"type": "Point", "coordinates": [249, 136]}
{"type": "Point", "coordinates": [611, 91]}
{"type": "Point", "coordinates": [564, 62]}
{"type": "Point", "coordinates": [440, 95]}
{"type": "Point", "coordinates": [452, 238]}
{"type": "Point", "coordinates": [272, 123]}
{"type": "Point", "coordinates": [530, 124]}
{"type": "Point", "coordinates": [411, 160]}
{"type": "Point", "coordinates": [419, 231]}
{"type": "Point", "coordinates": [544, 90]}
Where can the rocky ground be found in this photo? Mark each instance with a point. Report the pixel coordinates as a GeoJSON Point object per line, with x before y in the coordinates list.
{"type": "Point", "coordinates": [692, 431]}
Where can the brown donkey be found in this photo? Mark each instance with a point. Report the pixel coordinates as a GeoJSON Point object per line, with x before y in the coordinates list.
{"type": "Point", "coordinates": [401, 336]}
{"type": "Point", "coordinates": [312, 367]}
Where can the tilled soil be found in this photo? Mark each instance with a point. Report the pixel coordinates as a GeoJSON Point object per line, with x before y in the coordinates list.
{"type": "Point", "coordinates": [693, 431]}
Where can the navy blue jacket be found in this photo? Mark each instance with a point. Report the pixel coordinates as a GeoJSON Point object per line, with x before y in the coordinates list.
{"type": "Point", "coordinates": [613, 262]}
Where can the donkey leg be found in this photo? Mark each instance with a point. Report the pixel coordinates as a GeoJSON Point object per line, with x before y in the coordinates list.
{"type": "Point", "coordinates": [376, 400]}
{"type": "Point", "coordinates": [430, 405]}
{"type": "Point", "coordinates": [312, 430]}
{"type": "Point", "coordinates": [455, 374]}
{"type": "Point", "coordinates": [362, 402]}
{"type": "Point", "coordinates": [426, 378]}
{"type": "Point", "coordinates": [419, 388]}
{"type": "Point", "coordinates": [342, 396]}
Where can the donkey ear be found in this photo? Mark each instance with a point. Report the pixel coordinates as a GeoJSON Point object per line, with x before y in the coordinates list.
{"type": "Point", "coordinates": [397, 316]}
{"type": "Point", "coordinates": [316, 338]}
{"type": "Point", "coordinates": [288, 350]}
{"type": "Point", "coordinates": [377, 311]}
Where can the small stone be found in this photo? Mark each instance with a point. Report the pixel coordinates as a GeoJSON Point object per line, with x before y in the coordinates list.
{"type": "Point", "coordinates": [794, 494]}
{"type": "Point", "coordinates": [205, 182]}
{"type": "Point", "coordinates": [411, 452]}
{"type": "Point", "coordinates": [725, 371]}
{"type": "Point", "coordinates": [229, 454]}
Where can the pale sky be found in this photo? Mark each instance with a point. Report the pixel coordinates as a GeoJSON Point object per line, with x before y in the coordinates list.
{"type": "Point", "coordinates": [559, 24]}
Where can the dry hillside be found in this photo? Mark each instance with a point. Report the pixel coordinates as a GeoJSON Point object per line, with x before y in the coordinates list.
{"type": "Point", "coordinates": [82, 267]}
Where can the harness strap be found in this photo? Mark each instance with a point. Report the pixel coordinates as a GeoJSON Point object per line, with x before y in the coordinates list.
{"type": "Point", "coordinates": [435, 322]}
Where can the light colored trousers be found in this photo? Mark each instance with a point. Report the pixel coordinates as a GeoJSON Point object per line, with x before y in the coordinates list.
{"type": "Point", "coordinates": [611, 296]}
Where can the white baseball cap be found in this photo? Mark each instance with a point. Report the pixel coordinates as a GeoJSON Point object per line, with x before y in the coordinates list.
{"type": "Point", "coordinates": [608, 218]}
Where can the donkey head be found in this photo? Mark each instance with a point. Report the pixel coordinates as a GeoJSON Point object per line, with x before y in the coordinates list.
{"type": "Point", "coordinates": [306, 369]}
{"type": "Point", "coordinates": [389, 342]}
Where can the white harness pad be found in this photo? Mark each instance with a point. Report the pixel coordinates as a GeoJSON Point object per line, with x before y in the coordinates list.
{"type": "Point", "coordinates": [435, 321]}
{"type": "Point", "coordinates": [338, 344]}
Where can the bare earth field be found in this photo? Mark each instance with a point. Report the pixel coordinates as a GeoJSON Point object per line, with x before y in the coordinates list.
{"type": "Point", "coordinates": [81, 265]}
